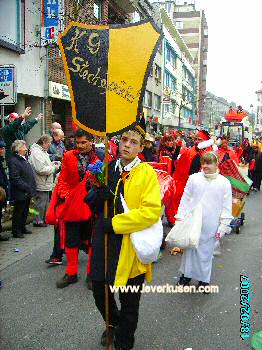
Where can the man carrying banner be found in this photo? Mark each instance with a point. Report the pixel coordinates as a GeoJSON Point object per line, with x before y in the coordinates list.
{"type": "Point", "coordinates": [106, 97]}
{"type": "Point", "coordinates": [138, 183]}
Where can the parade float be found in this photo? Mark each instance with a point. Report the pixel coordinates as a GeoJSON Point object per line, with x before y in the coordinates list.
{"type": "Point", "coordinates": [236, 126]}
{"type": "Point", "coordinates": [236, 129]}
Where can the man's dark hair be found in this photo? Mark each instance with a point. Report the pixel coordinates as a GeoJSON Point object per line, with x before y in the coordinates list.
{"type": "Point", "coordinates": [81, 132]}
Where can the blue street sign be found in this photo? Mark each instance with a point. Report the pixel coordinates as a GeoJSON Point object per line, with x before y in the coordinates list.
{"type": "Point", "coordinates": [7, 85]}
{"type": "Point", "coordinates": [6, 75]}
{"type": "Point", "coordinates": [51, 13]}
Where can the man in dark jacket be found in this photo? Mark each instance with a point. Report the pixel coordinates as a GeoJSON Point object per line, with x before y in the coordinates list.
{"type": "Point", "coordinates": [23, 187]}
{"type": "Point", "coordinates": [17, 128]}
{"type": "Point", "coordinates": [3, 188]}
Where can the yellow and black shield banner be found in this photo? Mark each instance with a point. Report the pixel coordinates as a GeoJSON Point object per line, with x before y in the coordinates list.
{"type": "Point", "coordinates": [107, 69]}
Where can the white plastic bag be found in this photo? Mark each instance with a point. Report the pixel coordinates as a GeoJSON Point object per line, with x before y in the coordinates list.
{"type": "Point", "coordinates": [146, 242]}
{"type": "Point", "coordinates": [186, 233]}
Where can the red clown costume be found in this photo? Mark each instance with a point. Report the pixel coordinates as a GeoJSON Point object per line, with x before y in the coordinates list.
{"type": "Point", "coordinates": [189, 163]}
{"type": "Point", "coordinates": [225, 152]}
{"type": "Point", "coordinates": [68, 210]}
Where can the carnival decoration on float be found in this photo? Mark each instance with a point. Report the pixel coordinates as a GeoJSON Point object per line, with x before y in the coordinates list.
{"type": "Point", "coordinates": [235, 115]}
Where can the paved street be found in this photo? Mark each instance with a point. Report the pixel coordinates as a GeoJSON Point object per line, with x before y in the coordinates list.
{"type": "Point", "coordinates": [37, 316]}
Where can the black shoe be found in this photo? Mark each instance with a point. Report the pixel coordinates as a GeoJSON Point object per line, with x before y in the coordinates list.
{"type": "Point", "coordinates": [54, 261]}
{"type": "Point", "coordinates": [27, 232]}
{"type": "Point", "coordinates": [18, 235]}
{"type": "Point", "coordinates": [203, 284]}
{"type": "Point", "coordinates": [120, 347]}
{"type": "Point", "coordinates": [40, 224]}
{"type": "Point", "coordinates": [66, 280]}
{"type": "Point", "coordinates": [183, 281]}
{"type": "Point", "coordinates": [111, 336]}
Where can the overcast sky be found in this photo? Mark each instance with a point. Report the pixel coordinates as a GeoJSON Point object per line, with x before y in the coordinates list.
{"type": "Point", "coordinates": [235, 49]}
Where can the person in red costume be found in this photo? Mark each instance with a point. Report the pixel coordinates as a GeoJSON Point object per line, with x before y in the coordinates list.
{"type": "Point", "coordinates": [76, 214]}
{"type": "Point", "coordinates": [189, 163]}
{"type": "Point", "coordinates": [225, 152]}
{"type": "Point", "coordinates": [168, 152]}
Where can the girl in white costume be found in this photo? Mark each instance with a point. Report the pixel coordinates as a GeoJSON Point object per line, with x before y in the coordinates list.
{"type": "Point", "coordinates": [214, 191]}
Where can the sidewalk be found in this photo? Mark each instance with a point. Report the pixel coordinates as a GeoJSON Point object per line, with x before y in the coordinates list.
{"type": "Point", "coordinates": [26, 245]}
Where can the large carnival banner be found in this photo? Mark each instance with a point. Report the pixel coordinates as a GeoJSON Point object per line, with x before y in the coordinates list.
{"type": "Point", "coordinates": [107, 69]}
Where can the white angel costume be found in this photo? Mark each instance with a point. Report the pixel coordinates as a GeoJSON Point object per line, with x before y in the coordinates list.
{"type": "Point", "coordinates": [214, 192]}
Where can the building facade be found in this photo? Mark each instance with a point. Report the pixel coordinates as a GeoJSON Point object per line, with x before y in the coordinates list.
{"type": "Point", "coordinates": [152, 101]}
{"type": "Point", "coordinates": [215, 109]}
{"type": "Point", "coordinates": [20, 47]}
{"type": "Point", "coordinates": [192, 25]}
{"type": "Point", "coordinates": [153, 95]}
{"type": "Point", "coordinates": [178, 82]}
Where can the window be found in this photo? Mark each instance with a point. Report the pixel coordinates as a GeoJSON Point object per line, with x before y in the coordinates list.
{"type": "Point", "coordinates": [173, 61]}
{"type": "Point", "coordinates": [98, 9]}
{"type": "Point", "coordinates": [158, 72]}
{"type": "Point", "coordinates": [160, 48]}
{"type": "Point", "coordinates": [148, 99]}
{"type": "Point", "coordinates": [167, 79]}
{"type": "Point", "coordinates": [188, 77]}
{"type": "Point", "coordinates": [166, 108]}
{"type": "Point", "coordinates": [12, 24]}
{"type": "Point", "coordinates": [168, 7]}
{"type": "Point", "coordinates": [151, 72]}
{"type": "Point", "coordinates": [187, 113]}
{"type": "Point", "coordinates": [157, 102]}
{"type": "Point", "coordinates": [171, 56]}
{"type": "Point", "coordinates": [170, 108]}
{"type": "Point", "coordinates": [179, 25]}
{"type": "Point", "coordinates": [170, 81]}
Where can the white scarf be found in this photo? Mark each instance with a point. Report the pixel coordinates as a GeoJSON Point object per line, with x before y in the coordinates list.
{"type": "Point", "coordinates": [211, 177]}
{"type": "Point", "coordinates": [129, 166]}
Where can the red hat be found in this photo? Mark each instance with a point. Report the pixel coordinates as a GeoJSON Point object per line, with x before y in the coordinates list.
{"type": "Point", "coordinates": [203, 134]}
{"type": "Point", "coordinates": [13, 115]}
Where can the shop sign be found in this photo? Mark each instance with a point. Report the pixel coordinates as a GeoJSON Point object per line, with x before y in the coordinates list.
{"type": "Point", "coordinates": [59, 91]}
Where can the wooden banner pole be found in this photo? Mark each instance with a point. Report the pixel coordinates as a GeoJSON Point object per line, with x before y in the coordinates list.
{"type": "Point", "coordinates": [106, 251]}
